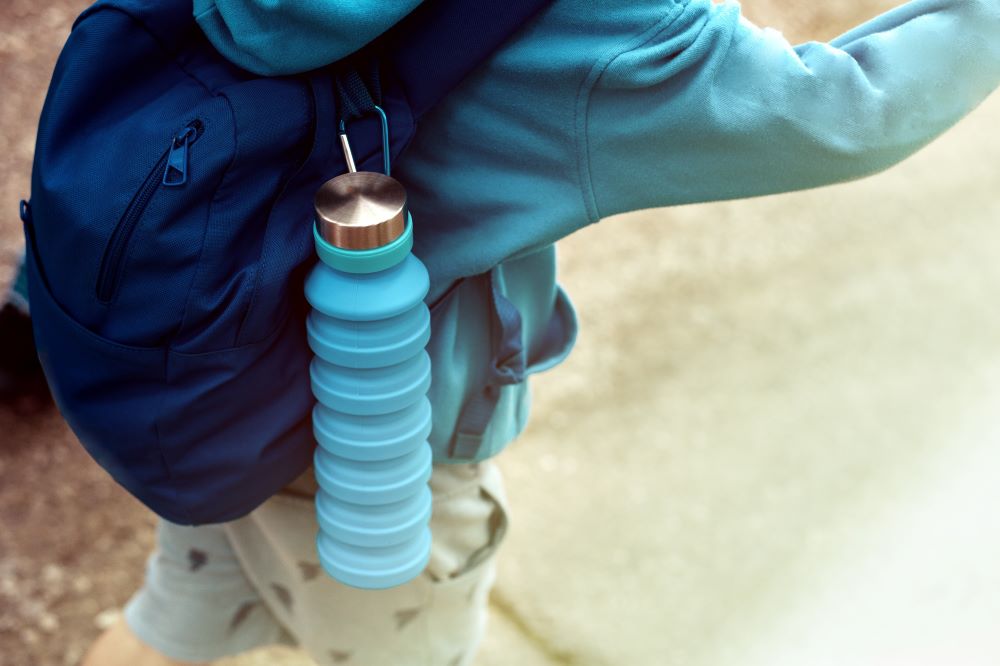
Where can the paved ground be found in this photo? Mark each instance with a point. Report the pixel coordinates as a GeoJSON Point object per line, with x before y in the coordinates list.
{"type": "Point", "coordinates": [798, 468]}
{"type": "Point", "coordinates": [774, 444]}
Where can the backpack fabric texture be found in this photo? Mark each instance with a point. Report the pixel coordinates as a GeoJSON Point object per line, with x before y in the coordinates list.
{"type": "Point", "coordinates": [170, 230]}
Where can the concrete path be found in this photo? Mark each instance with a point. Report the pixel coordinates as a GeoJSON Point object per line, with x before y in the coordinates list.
{"type": "Point", "coordinates": [777, 440]}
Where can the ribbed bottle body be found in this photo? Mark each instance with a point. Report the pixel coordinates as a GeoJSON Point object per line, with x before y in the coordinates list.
{"type": "Point", "coordinates": [370, 376]}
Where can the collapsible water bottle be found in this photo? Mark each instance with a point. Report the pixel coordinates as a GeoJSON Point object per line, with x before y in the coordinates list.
{"type": "Point", "coordinates": [370, 376]}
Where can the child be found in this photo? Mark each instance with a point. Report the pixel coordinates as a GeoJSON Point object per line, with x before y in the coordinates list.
{"type": "Point", "coordinates": [593, 109]}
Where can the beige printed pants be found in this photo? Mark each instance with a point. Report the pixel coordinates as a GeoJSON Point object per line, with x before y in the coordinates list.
{"type": "Point", "coordinates": [218, 590]}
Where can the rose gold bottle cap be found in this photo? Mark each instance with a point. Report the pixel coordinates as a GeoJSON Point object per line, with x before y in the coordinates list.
{"type": "Point", "coordinates": [361, 210]}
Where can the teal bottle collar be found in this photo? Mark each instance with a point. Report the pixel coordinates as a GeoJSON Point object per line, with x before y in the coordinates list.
{"type": "Point", "coordinates": [366, 261]}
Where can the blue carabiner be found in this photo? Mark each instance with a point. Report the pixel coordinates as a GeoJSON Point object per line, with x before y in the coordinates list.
{"type": "Point", "coordinates": [349, 157]}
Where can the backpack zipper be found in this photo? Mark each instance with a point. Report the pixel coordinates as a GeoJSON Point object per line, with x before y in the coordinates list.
{"type": "Point", "coordinates": [171, 170]}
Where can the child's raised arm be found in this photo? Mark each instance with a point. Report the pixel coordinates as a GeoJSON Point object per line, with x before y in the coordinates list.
{"type": "Point", "coordinates": [597, 108]}
{"type": "Point", "coordinates": [711, 107]}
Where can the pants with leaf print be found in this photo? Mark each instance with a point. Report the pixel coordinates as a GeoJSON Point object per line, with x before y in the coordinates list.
{"type": "Point", "coordinates": [218, 590]}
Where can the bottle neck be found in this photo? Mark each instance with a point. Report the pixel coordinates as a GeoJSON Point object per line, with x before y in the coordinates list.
{"type": "Point", "coordinates": [365, 261]}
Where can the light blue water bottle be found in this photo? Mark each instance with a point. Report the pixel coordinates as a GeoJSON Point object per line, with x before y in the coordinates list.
{"type": "Point", "coordinates": [370, 376]}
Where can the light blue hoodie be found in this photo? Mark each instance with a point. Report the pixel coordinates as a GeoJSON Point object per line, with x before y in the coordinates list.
{"type": "Point", "coordinates": [598, 108]}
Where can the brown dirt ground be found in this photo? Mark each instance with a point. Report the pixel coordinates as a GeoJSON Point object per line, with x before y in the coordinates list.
{"type": "Point", "coordinates": [72, 544]}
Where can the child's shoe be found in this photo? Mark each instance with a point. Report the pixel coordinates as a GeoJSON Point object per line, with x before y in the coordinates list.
{"type": "Point", "coordinates": [22, 384]}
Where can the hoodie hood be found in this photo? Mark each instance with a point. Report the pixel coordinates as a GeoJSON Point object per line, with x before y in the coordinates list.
{"type": "Point", "coordinates": [276, 37]}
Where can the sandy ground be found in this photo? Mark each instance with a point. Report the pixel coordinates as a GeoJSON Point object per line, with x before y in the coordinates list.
{"type": "Point", "coordinates": [772, 444]}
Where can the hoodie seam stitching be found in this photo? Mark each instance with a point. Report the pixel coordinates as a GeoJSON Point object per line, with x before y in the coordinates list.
{"type": "Point", "coordinates": [581, 115]}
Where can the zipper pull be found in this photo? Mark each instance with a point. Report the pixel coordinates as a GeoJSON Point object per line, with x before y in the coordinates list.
{"type": "Point", "coordinates": [176, 173]}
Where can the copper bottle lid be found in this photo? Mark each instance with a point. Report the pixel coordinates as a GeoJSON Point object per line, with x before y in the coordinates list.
{"type": "Point", "coordinates": [361, 210]}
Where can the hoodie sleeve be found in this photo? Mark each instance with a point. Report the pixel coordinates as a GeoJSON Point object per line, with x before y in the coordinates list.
{"type": "Point", "coordinates": [274, 37]}
{"type": "Point", "coordinates": [708, 106]}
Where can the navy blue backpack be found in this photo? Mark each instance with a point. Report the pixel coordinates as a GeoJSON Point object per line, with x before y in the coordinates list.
{"type": "Point", "coordinates": [169, 233]}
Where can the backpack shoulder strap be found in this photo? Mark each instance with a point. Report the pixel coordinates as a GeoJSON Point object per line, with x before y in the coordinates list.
{"type": "Point", "coordinates": [441, 41]}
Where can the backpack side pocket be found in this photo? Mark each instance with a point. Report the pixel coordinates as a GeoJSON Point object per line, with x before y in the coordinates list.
{"type": "Point", "coordinates": [489, 333]}
{"type": "Point", "coordinates": [478, 393]}
{"type": "Point", "coordinates": [102, 388]}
